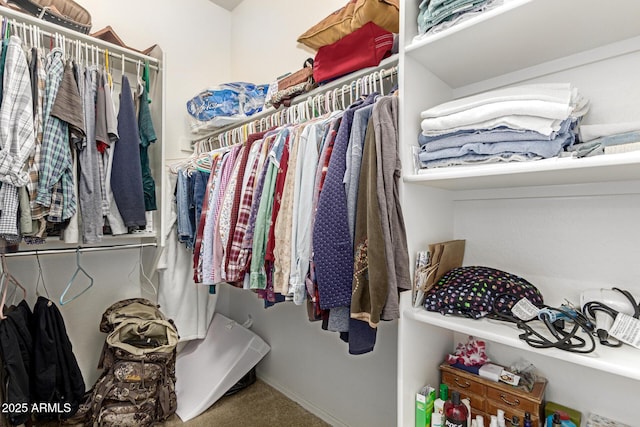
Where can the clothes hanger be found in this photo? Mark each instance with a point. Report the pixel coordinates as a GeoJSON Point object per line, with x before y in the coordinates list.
{"type": "Point", "coordinates": [140, 85]}
{"type": "Point", "coordinates": [309, 108]}
{"type": "Point", "coordinates": [40, 279]}
{"type": "Point", "coordinates": [146, 79]}
{"type": "Point", "coordinates": [327, 101]}
{"type": "Point", "coordinates": [380, 78]}
{"type": "Point", "coordinates": [122, 61]}
{"type": "Point", "coordinates": [106, 67]}
{"type": "Point", "coordinates": [334, 95]}
{"type": "Point", "coordinates": [23, 33]}
{"type": "Point", "coordinates": [86, 54]}
{"type": "Point", "coordinates": [79, 269]}
{"type": "Point", "coordinates": [288, 115]}
{"type": "Point", "coordinates": [5, 279]}
{"type": "Point", "coordinates": [147, 281]}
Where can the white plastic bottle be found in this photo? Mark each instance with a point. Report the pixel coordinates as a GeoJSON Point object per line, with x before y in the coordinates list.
{"type": "Point", "coordinates": [438, 404]}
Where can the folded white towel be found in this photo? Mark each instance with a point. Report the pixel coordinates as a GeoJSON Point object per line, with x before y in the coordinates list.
{"type": "Point", "coordinates": [542, 125]}
{"type": "Point", "coordinates": [494, 110]}
{"type": "Point", "coordinates": [562, 93]}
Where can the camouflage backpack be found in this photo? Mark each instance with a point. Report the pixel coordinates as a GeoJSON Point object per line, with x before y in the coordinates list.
{"type": "Point", "coordinates": [137, 385]}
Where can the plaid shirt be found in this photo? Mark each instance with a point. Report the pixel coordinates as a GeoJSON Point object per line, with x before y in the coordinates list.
{"type": "Point", "coordinates": [39, 77]}
{"type": "Point", "coordinates": [56, 165]}
{"type": "Point", "coordinates": [17, 138]}
{"type": "Point", "coordinates": [261, 173]}
{"type": "Point", "coordinates": [220, 214]}
{"type": "Point", "coordinates": [234, 263]}
{"type": "Point", "coordinates": [244, 259]}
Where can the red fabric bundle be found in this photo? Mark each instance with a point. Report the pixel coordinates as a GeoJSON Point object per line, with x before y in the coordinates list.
{"type": "Point", "coordinates": [365, 47]}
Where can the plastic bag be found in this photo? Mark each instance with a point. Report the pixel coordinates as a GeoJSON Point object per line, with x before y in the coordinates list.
{"type": "Point", "coordinates": [237, 99]}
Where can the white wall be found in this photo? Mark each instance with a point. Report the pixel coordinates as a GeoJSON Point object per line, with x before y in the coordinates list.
{"type": "Point", "coordinates": [264, 34]}
{"type": "Point", "coordinates": [313, 366]}
{"type": "Point", "coordinates": [194, 35]}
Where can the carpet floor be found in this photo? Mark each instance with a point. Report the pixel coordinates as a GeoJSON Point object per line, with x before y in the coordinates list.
{"type": "Point", "coordinates": [258, 405]}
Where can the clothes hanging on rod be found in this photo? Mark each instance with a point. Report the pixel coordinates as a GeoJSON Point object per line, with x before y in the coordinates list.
{"type": "Point", "coordinates": [32, 28]}
{"type": "Point", "coordinates": [64, 135]}
{"type": "Point", "coordinates": [37, 361]}
{"type": "Point", "coordinates": [272, 205]}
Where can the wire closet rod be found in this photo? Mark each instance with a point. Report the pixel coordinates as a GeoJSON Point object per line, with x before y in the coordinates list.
{"type": "Point", "coordinates": [23, 20]}
{"type": "Point", "coordinates": [79, 249]}
{"type": "Point", "coordinates": [339, 90]}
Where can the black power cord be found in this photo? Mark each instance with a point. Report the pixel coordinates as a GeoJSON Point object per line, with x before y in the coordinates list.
{"type": "Point", "coordinates": [592, 307]}
{"type": "Point", "coordinates": [567, 340]}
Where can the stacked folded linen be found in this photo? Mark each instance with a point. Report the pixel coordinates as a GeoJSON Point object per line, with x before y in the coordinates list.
{"type": "Point", "coordinates": [437, 15]}
{"type": "Point", "coordinates": [511, 124]}
{"type": "Point", "coordinates": [596, 139]}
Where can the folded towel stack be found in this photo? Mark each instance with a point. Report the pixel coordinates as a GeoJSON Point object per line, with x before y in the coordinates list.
{"type": "Point", "coordinates": [438, 15]}
{"type": "Point", "coordinates": [511, 124]}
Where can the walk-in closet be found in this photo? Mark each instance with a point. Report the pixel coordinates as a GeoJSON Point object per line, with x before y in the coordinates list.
{"type": "Point", "coordinates": [334, 279]}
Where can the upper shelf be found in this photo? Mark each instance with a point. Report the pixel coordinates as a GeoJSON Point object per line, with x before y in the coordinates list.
{"type": "Point", "coordinates": [553, 171]}
{"type": "Point", "coordinates": [620, 361]}
{"type": "Point", "coordinates": [521, 34]}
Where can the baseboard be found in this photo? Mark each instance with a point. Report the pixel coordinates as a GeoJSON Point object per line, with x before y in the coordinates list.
{"type": "Point", "coordinates": [309, 406]}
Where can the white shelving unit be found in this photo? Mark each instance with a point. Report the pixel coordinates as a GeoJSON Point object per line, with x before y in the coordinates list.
{"type": "Point", "coordinates": [564, 224]}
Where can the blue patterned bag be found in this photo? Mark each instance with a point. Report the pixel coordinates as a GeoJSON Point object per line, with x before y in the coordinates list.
{"type": "Point", "coordinates": [228, 99]}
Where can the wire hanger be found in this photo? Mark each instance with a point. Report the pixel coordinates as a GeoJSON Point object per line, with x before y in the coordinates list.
{"type": "Point", "coordinates": [139, 82]}
{"type": "Point", "coordinates": [122, 64]}
{"type": "Point", "coordinates": [79, 269]}
{"type": "Point", "coordinates": [107, 69]}
{"type": "Point", "coordinates": [146, 284]}
{"type": "Point", "coordinates": [40, 279]}
{"type": "Point", "coordinates": [5, 279]}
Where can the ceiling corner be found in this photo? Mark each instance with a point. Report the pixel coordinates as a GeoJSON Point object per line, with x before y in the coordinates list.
{"type": "Point", "coordinates": [227, 4]}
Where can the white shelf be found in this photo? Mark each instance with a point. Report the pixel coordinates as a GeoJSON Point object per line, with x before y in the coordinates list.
{"type": "Point", "coordinates": [499, 41]}
{"type": "Point", "coordinates": [621, 361]}
{"type": "Point", "coordinates": [554, 171]}
{"type": "Point", "coordinates": [526, 216]}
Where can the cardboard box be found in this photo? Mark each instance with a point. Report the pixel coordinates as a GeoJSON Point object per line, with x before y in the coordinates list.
{"type": "Point", "coordinates": [490, 371]}
{"type": "Point", "coordinates": [424, 406]}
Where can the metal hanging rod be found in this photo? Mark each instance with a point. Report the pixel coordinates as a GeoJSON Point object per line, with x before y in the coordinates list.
{"type": "Point", "coordinates": [118, 52]}
{"type": "Point", "coordinates": [79, 249]}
